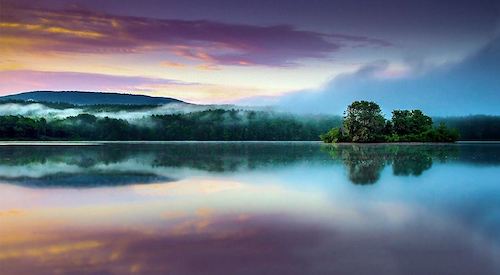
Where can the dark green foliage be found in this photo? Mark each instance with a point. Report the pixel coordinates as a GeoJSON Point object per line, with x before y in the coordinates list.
{"type": "Point", "coordinates": [17, 127]}
{"type": "Point", "coordinates": [406, 122]}
{"type": "Point", "coordinates": [388, 128]}
{"type": "Point", "coordinates": [205, 125]}
{"type": "Point", "coordinates": [478, 127]}
{"type": "Point", "coordinates": [331, 136]}
{"type": "Point", "coordinates": [334, 135]}
{"type": "Point", "coordinates": [240, 125]}
{"type": "Point", "coordinates": [364, 122]}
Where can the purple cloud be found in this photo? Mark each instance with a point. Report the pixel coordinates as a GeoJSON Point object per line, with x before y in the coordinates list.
{"type": "Point", "coordinates": [210, 42]}
{"type": "Point", "coordinates": [24, 80]}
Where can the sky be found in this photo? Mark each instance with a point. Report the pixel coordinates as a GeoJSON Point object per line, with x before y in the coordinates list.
{"type": "Point", "coordinates": [306, 56]}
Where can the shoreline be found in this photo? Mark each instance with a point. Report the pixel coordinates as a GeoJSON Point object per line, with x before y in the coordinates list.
{"type": "Point", "coordinates": [103, 142]}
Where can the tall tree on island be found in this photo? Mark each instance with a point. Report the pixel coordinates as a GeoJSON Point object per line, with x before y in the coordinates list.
{"type": "Point", "coordinates": [363, 122]}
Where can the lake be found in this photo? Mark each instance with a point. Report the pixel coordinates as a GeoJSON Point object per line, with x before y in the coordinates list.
{"type": "Point", "coordinates": [249, 208]}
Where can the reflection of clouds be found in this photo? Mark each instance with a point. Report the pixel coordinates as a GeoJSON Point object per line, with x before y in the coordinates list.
{"type": "Point", "coordinates": [173, 214]}
{"type": "Point", "coordinates": [226, 244]}
{"type": "Point", "coordinates": [217, 196]}
{"type": "Point", "coordinates": [288, 219]}
{"type": "Point", "coordinates": [11, 213]}
{"type": "Point", "coordinates": [394, 213]}
{"type": "Point", "coordinates": [37, 170]}
{"type": "Point", "coordinates": [199, 225]}
{"type": "Point", "coordinates": [189, 187]}
{"type": "Point", "coordinates": [53, 173]}
{"type": "Point", "coordinates": [44, 251]}
{"type": "Point", "coordinates": [206, 197]}
{"type": "Point", "coordinates": [141, 166]}
{"type": "Point", "coordinates": [221, 226]}
{"type": "Point", "coordinates": [145, 164]}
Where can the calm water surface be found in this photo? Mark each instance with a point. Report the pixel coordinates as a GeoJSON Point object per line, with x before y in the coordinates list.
{"type": "Point", "coordinates": [249, 208]}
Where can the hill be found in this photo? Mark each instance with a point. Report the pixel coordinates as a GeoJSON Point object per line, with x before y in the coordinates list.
{"type": "Point", "coordinates": [90, 98]}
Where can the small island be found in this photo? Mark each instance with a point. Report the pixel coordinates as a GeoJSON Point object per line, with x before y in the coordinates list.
{"type": "Point", "coordinates": [364, 123]}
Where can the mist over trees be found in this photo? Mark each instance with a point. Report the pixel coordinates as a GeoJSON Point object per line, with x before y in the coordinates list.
{"type": "Point", "coordinates": [218, 124]}
{"type": "Point", "coordinates": [21, 120]}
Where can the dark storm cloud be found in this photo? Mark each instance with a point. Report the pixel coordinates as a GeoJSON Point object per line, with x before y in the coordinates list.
{"type": "Point", "coordinates": [80, 30]}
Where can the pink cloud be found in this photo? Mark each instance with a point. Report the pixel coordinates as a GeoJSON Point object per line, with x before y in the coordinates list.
{"type": "Point", "coordinates": [23, 80]}
{"type": "Point", "coordinates": [209, 42]}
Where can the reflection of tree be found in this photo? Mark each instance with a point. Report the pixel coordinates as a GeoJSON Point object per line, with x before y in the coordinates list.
{"type": "Point", "coordinates": [364, 163]}
{"type": "Point", "coordinates": [364, 171]}
{"type": "Point", "coordinates": [412, 163]}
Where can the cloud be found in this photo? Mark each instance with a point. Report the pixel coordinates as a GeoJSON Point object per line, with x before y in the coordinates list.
{"type": "Point", "coordinates": [471, 86]}
{"type": "Point", "coordinates": [141, 116]}
{"type": "Point", "coordinates": [37, 110]}
{"type": "Point", "coordinates": [194, 92]}
{"type": "Point", "coordinates": [209, 42]}
{"type": "Point", "coordinates": [20, 80]}
{"type": "Point", "coordinates": [171, 64]}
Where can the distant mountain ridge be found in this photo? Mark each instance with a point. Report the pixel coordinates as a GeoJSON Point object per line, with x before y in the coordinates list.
{"type": "Point", "coordinates": [90, 98]}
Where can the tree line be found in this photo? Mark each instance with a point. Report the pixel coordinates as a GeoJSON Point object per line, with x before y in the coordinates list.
{"type": "Point", "coordinates": [218, 124]}
{"type": "Point", "coordinates": [363, 123]}
{"type": "Point", "coordinates": [476, 127]}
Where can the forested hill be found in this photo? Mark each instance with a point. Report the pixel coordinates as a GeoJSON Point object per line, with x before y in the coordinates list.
{"type": "Point", "coordinates": [90, 98]}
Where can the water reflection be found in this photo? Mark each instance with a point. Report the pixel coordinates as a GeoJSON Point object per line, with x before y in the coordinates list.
{"type": "Point", "coordinates": [256, 245]}
{"type": "Point", "coordinates": [251, 208]}
{"type": "Point", "coordinates": [122, 164]}
{"type": "Point", "coordinates": [364, 163]}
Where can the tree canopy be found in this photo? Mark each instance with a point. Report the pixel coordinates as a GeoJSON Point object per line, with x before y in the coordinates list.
{"type": "Point", "coordinates": [364, 122]}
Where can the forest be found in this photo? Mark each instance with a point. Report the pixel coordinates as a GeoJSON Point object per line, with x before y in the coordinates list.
{"type": "Point", "coordinates": [208, 125]}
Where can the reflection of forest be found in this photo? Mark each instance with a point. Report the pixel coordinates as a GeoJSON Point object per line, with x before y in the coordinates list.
{"type": "Point", "coordinates": [118, 164]}
{"type": "Point", "coordinates": [112, 164]}
{"type": "Point", "coordinates": [364, 163]}
{"type": "Point", "coordinates": [209, 156]}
